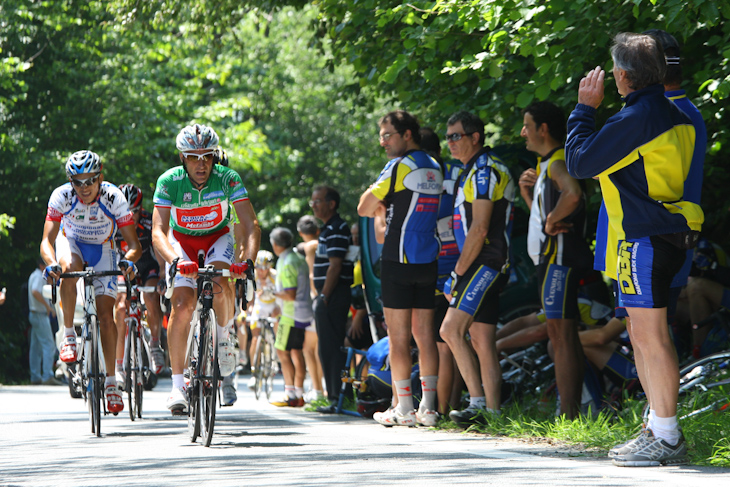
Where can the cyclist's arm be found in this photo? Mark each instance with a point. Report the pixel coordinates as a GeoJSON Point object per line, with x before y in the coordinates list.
{"type": "Point", "coordinates": [129, 234]}
{"type": "Point", "coordinates": [568, 201]}
{"type": "Point", "coordinates": [160, 227]}
{"type": "Point", "coordinates": [368, 204]}
{"type": "Point", "coordinates": [482, 214]}
{"type": "Point", "coordinates": [50, 232]}
{"type": "Point", "coordinates": [250, 231]}
{"type": "Point", "coordinates": [523, 338]}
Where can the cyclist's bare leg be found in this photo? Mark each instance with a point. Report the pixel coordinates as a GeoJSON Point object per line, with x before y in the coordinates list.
{"type": "Point", "coordinates": [311, 359]}
{"type": "Point", "coordinates": [639, 361]}
{"type": "Point", "coordinates": [453, 331]}
{"type": "Point", "coordinates": [422, 329]}
{"type": "Point", "coordinates": [120, 314]}
{"type": "Point", "coordinates": [178, 327]}
{"type": "Point", "coordinates": [399, 331]}
{"type": "Point", "coordinates": [569, 364]}
{"type": "Point", "coordinates": [300, 369]}
{"type": "Point", "coordinates": [255, 334]}
{"type": "Point", "coordinates": [108, 331]}
{"type": "Point", "coordinates": [446, 377]}
{"type": "Point", "coordinates": [67, 289]}
{"type": "Point", "coordinates": [287, 366]}
{"type": "Point", "coordinates": [650, 337]}
{"type": "Point", "coordinates": [154, 312]}
{"type": "Point", "coordinates": [483, 339]}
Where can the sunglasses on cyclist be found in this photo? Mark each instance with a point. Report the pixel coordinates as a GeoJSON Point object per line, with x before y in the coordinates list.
{"type": "Point", "coordinates": [199, 157]}
{"type": "Point", "coordinates": [456, 136]}
{"type": "Point", "coordinates": [80, 183]}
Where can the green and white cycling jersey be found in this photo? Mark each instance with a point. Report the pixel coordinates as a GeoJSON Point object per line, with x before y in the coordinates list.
{"type": "Point", "coordinates": [199, 212]}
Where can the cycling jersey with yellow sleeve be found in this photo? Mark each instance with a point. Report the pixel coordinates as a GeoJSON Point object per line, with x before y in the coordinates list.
{"type": "Point", "coordinates": [411, 189]}
{"type": "Point", "coordinates": [485, 177]}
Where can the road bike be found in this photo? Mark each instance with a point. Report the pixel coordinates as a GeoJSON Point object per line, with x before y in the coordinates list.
{"type": "Point", "coordinates": [88, 374]}
{"type": "Point", "coordinates": [264, 362]}
{"type": "Point", "coordinates": [203, 370]}
{"type": "Point", "coordinates": [137, 356]}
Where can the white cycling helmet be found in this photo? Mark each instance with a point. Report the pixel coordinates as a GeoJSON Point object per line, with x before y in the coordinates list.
{"type": "Point", "coordinates": [194, 137]}
{"type": "Point", "coordinates": [83, 162]}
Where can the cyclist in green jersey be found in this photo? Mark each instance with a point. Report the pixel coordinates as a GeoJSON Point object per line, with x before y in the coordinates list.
{"type": "Point", "coordinates": [193, 206]}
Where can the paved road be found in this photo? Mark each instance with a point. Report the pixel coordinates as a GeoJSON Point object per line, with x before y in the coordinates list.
{"type": "Point", "coordinates": [46, 440]}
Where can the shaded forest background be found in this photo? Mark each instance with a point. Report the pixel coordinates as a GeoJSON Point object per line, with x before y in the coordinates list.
{"type": "Point", "coordinates": [295, 89]}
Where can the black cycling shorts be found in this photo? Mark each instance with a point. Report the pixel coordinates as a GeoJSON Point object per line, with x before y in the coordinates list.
{"type": "Point", "coordinates": [407, 286]}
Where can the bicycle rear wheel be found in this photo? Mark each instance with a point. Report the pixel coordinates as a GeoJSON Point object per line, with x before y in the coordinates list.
{"type": "Point", "coordinates": [208, 392]}
{"type": "Point", "coordinates": [134, 373]}
{"type": "Point", "coordinates": [129, 362]}
{"type": "Point", "coordinates": [96, 381]}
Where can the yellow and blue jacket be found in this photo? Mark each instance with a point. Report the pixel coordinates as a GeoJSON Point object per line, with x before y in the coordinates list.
{"type": "Point", "coordinates": [641, 158]}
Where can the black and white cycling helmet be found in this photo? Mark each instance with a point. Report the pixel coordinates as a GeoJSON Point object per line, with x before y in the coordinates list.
{"type": "Point", "coordinates": [222, 158]}
{"type": "Point", "coordinates": [133, 195]}
{"type": "Point", "coordinates": [83, 162]}
{"type": "Point", "coordinates": [195, 137]}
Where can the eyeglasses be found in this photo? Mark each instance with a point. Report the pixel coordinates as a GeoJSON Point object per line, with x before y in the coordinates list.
{"type": "Point", "coordinates": [80, 183]}
{"type": "Point", "coordinates": [456, 136]}
{"type": "Point", "coordinates": [386, 136]}
{"type": "Point", "coordinates": [200, 157]}
{"type": "Point", "coordinates": [314, 202]}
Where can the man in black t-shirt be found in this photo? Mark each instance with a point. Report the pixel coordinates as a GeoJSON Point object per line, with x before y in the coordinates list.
{"type": "Point", "coordinates": [332, 280]}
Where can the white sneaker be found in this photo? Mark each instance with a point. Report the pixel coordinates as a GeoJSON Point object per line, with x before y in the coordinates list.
{"type": "Point", "coordinates": [313, 395]}
{"type": "Point", "coordinates": [427, 418]}
{"type": "Point", "coordinates": [177, 401]}
{"type": "Point", "coordinates": [226, 357]}
{"type": "Point", "coordinates": [252, 383]}
{"type": "Point", "coordinates": [393, 417]}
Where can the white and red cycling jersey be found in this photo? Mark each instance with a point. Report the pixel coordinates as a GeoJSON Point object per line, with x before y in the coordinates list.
{"type": "Point", "coordinates": [95, 223]}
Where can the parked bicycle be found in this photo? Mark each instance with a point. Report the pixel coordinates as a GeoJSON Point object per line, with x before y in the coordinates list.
{"type": "Point", "coordinates": [264, 362]}
{"type": "Point", "coordinates": [87, 375]}
{"type": "Point", "coordinates": [201, 357]}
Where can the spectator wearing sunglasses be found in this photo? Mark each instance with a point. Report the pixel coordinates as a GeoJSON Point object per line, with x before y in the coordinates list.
{"type": "Point", "coordinates": [90, 210]}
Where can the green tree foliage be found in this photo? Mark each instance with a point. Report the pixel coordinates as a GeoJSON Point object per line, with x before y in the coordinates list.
{"type": "Point", "coordinates": [100, 76]}
{"type": "Point", "coordinates": [496, 57]}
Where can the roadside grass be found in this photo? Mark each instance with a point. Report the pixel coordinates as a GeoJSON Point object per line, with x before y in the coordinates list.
{"type": "Point", "coordinates": [707, 434]}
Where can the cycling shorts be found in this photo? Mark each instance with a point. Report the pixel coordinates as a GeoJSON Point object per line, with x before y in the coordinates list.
{"type": "Point", "coordinates": [147, 268]}
{"type": "Point", "coordinates": [619, 311]}
{"type": "Point", "coordinates": [477, 293]}
{"type": "Point", "coordinates": [100, 257]}
{"type": "Point", "coordinates": [622, 365]}
{"type": "Point", "coordinates": [261, 310]}
{"type": "Point", "coordinates": [219, 250]}
{"type": "Point", "coordinates": [559, 291]}
{"type": "Point", "coordinates": [646, 268]}
{"type": "Point", "coordinates": [408, 286]}
{"type": "Point", "coordinates": [289, 337]}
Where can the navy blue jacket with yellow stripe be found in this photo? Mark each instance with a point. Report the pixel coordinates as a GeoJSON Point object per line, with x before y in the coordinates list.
{"type": "Point", "coordinates": [641, 157]}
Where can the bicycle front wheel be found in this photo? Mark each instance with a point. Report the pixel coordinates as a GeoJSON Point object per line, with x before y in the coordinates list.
{"type": "Point", "coordinates": [208, 384]}
{"type": "Point", "coordinates": [192, 390]}
{"type": "Point", "coordinates": [96, 381]}
{"type": "Point", "coordinates": [136, 374]}
{"type": "Point", "coordinates": [270, 368]}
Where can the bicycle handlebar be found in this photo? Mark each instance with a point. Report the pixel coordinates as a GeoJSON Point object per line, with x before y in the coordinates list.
{"type": "Point", "coordinates": [84, 274]}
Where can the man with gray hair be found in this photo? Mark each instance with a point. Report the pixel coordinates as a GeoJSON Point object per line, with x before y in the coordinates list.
{"type": "Point", "coordinates": [292, 288]}
{"type": "Point", "coordinates": [641, 158]}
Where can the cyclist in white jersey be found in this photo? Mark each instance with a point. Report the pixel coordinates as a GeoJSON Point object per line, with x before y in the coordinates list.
{"type": "Point", "coordinates": [88, 210]}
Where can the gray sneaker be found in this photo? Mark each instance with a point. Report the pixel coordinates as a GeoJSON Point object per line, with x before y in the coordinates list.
{"type": "Point", "coordinates": [229, 392]}
{"type": "Point", "coordinates": [649, 451]}
{"type": "Point", "coordinates": [627, 446]}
